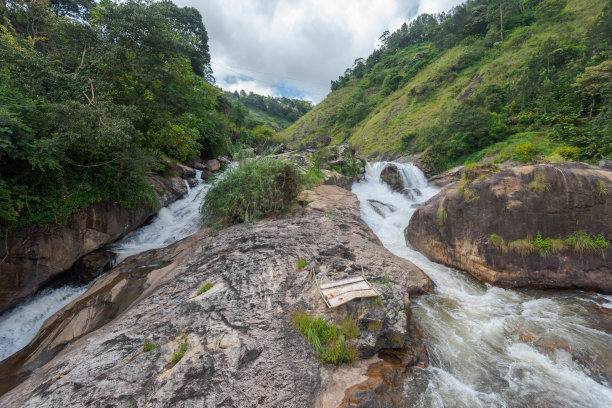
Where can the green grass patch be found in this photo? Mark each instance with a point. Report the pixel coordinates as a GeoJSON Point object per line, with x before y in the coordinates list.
{"type": "Point", "coordinates": [148, 346]}
{"type": "Point", "coordinates": [301, 263]}
{"type": "Point", "coordinates": [254, 189]}
{"type": "Point", "coordinates": [539, 184]}
{"type": "Point", "coordinates": [182, 349]}
{"type": "Point", "coordinates": [205, 287]}
{"type": "Point", "coordinates": [579, 242]}
{"type": "Point", "coordinates": [331, 343]}
{"type": "Point", "coordinates": [602, 188]}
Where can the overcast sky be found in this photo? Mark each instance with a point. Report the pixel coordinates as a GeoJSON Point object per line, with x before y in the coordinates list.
{"type": "Point", "coordinates": [294, 48]}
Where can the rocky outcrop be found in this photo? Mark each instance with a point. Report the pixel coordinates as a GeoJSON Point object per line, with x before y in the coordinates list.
{"type": "Point", "coordinates": [184, 172]}
{"type": "Point", "coordinates": [241, 349]}
{"type": "Point", "coordinates": [392, 176]}
{"type": "Point", "coordinates": [31, 257]}
{"type": "Point", "coordinates": [331, 178]}
{"type": "Point", "coordinates": [489, 227]}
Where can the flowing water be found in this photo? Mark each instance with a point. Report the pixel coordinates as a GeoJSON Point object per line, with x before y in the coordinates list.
{"type": "Point", "coordinates": [493, 347]}
{"type": "Point", "coordinates": [172, 223]}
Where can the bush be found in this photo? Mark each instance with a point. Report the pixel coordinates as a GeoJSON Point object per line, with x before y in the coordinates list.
{"type": "Point", "coordinates": [254, 189]}
{"type": "Point", "coordinates": [525, 152]}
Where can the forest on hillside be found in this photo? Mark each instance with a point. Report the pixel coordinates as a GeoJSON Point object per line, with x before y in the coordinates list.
{"type": "Point", "coordinates": [537, 71]}
{"type": "Point", "coordinates": [274, 112]}
{"type": "Point", "coordinates": [96, 95]}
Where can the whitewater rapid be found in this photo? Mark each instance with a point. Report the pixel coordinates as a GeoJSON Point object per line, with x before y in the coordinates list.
{"type": "Point", "coordinates": [492, 347]}
{"type": "Point", "coordinates": [172, 223]}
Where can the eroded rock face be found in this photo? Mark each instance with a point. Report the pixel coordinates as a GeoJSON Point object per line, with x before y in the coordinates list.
{"type": "Point", "coordinates": [33, 256]}
{"type": "Point", "coordinates": [241, 348]}
{"type": "Point", "coordinates": [455, 227]}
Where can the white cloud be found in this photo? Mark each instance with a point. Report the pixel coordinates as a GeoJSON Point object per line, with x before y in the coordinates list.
{"type": "Point", "coordinates": [296, 47]}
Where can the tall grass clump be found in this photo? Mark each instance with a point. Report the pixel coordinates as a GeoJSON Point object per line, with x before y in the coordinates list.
{"type": "Point", "coordinates": [583, 243]}
{"type": "Point", "coordinates": [539, 184]}
{"type": "Point", "coordinates": [331, 343]}
{"type": "Point", "coordinates": [254, 189]}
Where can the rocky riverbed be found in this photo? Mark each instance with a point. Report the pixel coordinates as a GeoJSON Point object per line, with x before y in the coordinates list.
{"type": "Point", "coordinates": [240, 347]}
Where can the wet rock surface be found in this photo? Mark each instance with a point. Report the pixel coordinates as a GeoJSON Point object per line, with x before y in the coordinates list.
{"type": "Point", "coordinates": [391, 175]}
{"type": "Point", "coordinates": [33, 256]}
{"type": "Point", "coordinates": [556, 200]}
{"type": "Point", "coordinates": [241, 348]}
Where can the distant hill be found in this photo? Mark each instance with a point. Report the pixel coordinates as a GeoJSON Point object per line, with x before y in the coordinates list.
{"type": "Point", "coordinates": [534, 79]}
{"type": "Point", "coordinates": [277, 113]}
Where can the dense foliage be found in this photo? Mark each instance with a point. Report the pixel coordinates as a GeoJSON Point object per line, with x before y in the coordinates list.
{"type": "Point", "coordinates": [94, 96]}
{"type": "Point", "coordinates": [252, 190]}
{"type": "Point", "coordinates": [274, 112]}
{"type": "Point", "coordinates": [481, 79]}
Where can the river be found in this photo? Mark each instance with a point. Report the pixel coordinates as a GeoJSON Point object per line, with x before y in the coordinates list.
{"type": "Point", "coordinates": [488, 347]}
{"type": "Point", "coordinates": [493, 347]}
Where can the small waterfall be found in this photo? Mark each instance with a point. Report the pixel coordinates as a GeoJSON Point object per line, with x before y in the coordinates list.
{"type": "Point", "coordinates": [488, 346]}
{"type": "Point", "coordinates": [172, 223]}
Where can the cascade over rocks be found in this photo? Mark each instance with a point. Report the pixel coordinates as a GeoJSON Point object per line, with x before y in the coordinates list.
{"type": "Point", "coordinates": [241, 347]}
{"type": "Point", "coordinates": [32, 256]}
{"type": "Point", "coordinates": [455, 227]}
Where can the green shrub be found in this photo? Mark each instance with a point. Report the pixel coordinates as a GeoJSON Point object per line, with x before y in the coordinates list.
{"type": "Point", "coordinates": [525, 152]}
{"type": "Point", "coordinates": [148, 346]}
{"type": "Point", "coordinates": [313, 177]}
{"type": "Point", "coordinates": [567, 152]}
{"type": "Point", "coordinates": [205, 288]}
{"type": "Point", "coordinates": [252, 190]}
{"type": "Point", "coordinates": [543, 244]}
{"type": "Point", "coordinates": [329, 341]}
{"type": "Point", "coordinates": [301, 263]}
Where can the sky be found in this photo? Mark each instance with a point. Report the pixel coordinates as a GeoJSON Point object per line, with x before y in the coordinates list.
{"type": "Point", "coordinates": [294, 48]}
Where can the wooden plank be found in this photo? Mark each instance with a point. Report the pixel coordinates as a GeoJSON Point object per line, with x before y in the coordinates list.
{"type": "Point", "coordinates": [342, 299]}
{"type": "Point", "coordinates": [339, 290]}
{"type": "Point", "coordinates": [341, 282]}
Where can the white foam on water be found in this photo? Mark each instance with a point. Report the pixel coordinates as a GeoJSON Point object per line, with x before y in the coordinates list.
{"type": "Point", "coordinates": [20, 325]}
{"type": "Point", "coordinates": [481, 338]}
{"type": "Point", "coordinates": [178, 220]}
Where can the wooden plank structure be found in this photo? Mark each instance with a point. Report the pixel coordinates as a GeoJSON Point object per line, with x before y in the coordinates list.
{"type": "Point", "coordinates": [339, 292]}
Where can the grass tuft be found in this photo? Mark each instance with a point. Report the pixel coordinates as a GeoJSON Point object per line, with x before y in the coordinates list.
{"type": "Point", "coordinates": [301, 263]}
{"type": "Point", "coordinates": [329, 341]}
{"type": "Point", "coordinates": [148, 346]}
{"type": "Point", "coordinates": [205, 287]}
{"type": "Point", "coordinates": [582, 243]}
{"type": "Point", "coordinates": [602, 188]}
{"type": "Point", "coordinates": [443, 215]}
{"type": "Point", "coordinates": [180, 352]}
{"type": "Point", "coordinates": [539, 184]}
{"type": "Point", "coordinates": [499, 243]}
{"type": "Point", "coordinates": [523, 247]}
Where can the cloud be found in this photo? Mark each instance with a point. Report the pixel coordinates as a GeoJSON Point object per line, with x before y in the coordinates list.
{"type": "Point", "coordinates": [296, 47]}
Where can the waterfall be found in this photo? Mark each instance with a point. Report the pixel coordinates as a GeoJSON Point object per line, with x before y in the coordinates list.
{"type": "Point", "coordinates": [172, 223]}
{"type": "Point", "coordinates": [492, 347]}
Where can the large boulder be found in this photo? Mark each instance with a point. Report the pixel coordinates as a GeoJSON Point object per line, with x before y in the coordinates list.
{"type": "Point", "coordinates": [391, 175]}
{"type": "Point", "coordinates": [184, 171]}
{"type": "Point", "coordinates": [241, 348]}
{"type": "Point", "coordinates": [541, 226]}
{"type": "Point", "coordinates": [213, 165]}
{"type": "Point", "coordinates": [33, 256]}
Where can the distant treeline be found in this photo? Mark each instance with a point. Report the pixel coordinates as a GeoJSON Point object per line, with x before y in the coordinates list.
{"type": "Point", "coordinates": [285, 109]}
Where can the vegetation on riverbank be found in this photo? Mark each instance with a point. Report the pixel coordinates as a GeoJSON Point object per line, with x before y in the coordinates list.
{"type": "Point", "coordinates": [466, 84]}
{"type": "Point", "coordinates": [96, 95]}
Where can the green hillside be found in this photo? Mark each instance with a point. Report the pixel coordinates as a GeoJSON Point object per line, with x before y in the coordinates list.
{"type": "Point", "coordinates": [449, 86]}
{"type": "Point", "coordinates": [276, 113]}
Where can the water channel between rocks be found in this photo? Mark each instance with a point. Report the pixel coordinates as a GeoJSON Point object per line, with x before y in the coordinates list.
{"type": "Point", "coordinates": [493, 347]}
{"type": "Point", "coordinates": [172, 223]}
{"type": "Point", "coordinates": [488, 347]}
